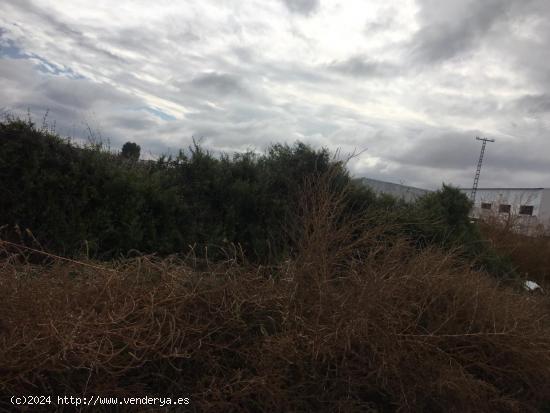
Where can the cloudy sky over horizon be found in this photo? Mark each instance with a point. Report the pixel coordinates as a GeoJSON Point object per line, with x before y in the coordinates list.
{"type": "Point", "coordinates": [408, 82]}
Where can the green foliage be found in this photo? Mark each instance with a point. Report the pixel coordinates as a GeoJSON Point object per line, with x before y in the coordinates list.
{"type": "Point", "coordinates": [77, 199]}
{"type": "Point", "coordinates": [130, 151]}
{"type": "Point", "coordinates": [443, 218]}
{"type": "Point", "coordinates": [68, 196]}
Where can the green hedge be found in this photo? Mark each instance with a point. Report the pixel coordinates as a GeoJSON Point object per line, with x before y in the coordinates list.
{"type": "Point", "coordinates": [83, 199]}
{"type": "Point", "coordinates": [77, 199]}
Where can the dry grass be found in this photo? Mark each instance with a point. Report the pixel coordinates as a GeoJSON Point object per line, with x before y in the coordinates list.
{"type": "Point", "coordinates": [358, 321]}
{"type": "Point", "coordinates": [529, 254]}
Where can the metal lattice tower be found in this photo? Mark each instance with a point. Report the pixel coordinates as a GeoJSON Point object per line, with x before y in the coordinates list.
{"type": "Point", "coordinates": [478, 171]}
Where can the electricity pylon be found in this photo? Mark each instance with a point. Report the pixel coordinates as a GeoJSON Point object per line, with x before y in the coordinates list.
{"type": "Point", "coordinates": [478, 171]}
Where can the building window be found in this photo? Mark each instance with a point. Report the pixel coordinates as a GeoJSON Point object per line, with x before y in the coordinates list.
{"type": "Point", "coordinates": [526, 210]}
{"type": "Point", "coordinates": [504, 208]}
{"type": "Point", "coordinates": [486, 205]}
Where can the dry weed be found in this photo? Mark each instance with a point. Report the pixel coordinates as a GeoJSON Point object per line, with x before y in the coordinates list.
{"type": "Point", "coordinates": [358, 321]}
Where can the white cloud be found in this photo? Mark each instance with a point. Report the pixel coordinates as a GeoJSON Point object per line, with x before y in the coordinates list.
{"type": "Point", "coordinates": [400, 78]}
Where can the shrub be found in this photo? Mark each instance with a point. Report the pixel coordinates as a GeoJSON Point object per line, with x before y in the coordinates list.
{"type": "Point", "coordinates": [359, 321]}
{"type": "Point", "coordinates": [130, 151]}
{"type": "Point", "coordinates": [67, 195]}
{"type": "Point", "coordinates": [442, 218]}
{"type": "Point", "coordinates": [76, 199]}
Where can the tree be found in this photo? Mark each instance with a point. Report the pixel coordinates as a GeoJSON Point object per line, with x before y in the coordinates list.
{"type": "Point", "coordinates": [130, 151]}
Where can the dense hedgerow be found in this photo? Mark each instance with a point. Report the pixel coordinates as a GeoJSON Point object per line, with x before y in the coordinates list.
{"type": "Point", "coordinates": [442, 218]}
{"type": "Point", "coordinates": [85, 199]}
{"type": "Point", "coordinates": [79, 200]}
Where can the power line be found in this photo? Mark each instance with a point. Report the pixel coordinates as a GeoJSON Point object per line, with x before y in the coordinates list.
{"type": "Point", "coordinates": [478, 170]}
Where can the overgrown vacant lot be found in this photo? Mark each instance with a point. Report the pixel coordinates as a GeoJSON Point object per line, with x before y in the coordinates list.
{"type": "Point", "coordinates": [359, 319]}
{"type": "Point", "coordinates": [530, 254]}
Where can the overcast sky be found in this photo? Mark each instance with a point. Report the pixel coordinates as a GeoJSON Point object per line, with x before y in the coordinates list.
{"type": "Point", "coordinates": [411, 81]}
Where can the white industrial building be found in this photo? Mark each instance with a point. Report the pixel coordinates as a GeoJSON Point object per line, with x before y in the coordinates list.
{"type": "Point", "coordinates": [528, 209]}
{"type": "Point", "coordinates": [407, 193]}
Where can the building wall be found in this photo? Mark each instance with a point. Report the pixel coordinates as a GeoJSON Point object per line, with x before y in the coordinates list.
{"type": "Point", "coordinates": [510, 196]}
{"type": "Point", "coordinates": [544, 215]}
{"type": "Point", "coordinates": [539, 198]}
{"type": "Point", "coordinates": [407, 193]}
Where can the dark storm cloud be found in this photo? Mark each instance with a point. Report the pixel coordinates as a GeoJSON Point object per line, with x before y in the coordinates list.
{"type": "Point", "coordinates": [534, 104]}
{"type": "Point", "coordinates": [451, 157]}
{"type": "Point", "coordinates": [131, 121]}
{"type": "Point", "coordinates": [461, 107]}
{"type": "Point", "coordinates": [363, 66]}
{"type": "Point", "coordinates": [451, 28]}
{"type": "Point", "coordinates": [533, 158]}
{"type": "Point", "coordinates": [218, 84]}
{"type": "Point", "coordinates": [305, 7]}
{"type": "Point", "coordinates": [529, 51]}
{"type": "Point", "coordinates": [81, 94]}
{"type": "Point", "coordinates": [457, 152]}
{"type": "Point", "coordinates": [440, 149]}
